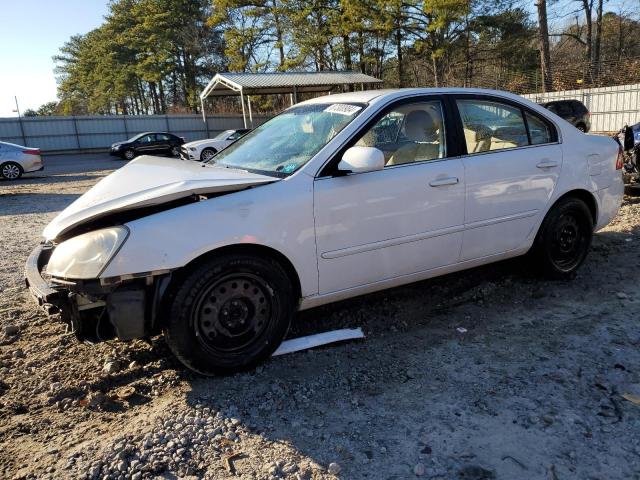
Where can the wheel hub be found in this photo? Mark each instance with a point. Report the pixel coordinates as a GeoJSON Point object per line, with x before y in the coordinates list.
{"type": "Point", "coordinates": [10, 171]}
{"type": "Point", "coordinates": [567, 238]}
{"type": "Point", "coordinates": [233, 312]}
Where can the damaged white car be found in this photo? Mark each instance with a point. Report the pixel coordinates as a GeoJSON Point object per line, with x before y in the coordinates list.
{"type": "Point", "coordinates": [336, 197]}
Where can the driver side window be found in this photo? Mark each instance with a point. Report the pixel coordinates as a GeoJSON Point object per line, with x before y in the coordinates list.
{"type": "Point", "coordinates": [408, 134]}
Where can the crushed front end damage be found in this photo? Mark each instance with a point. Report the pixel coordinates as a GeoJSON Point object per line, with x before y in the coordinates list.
{"type": "Point", "coordinates": [96, 310]}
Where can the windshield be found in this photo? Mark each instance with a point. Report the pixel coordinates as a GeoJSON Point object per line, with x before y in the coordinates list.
{"type": "Point", "coordinates": [135, 137]}
{"type": "Point", "coordinates": [289, 140]}
{"type": "Point", "coordinates": [223, 135]}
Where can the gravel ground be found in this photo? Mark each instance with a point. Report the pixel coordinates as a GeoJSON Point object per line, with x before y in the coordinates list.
{"type": "Point", "coordinates": [486, 374]}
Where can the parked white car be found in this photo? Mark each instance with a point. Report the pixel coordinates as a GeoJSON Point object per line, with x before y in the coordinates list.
{"type": "Point", "coordinates": [16, 160]}
{"type": "Point", "coordinates": [338, 196]}
{"type": "Point", "coordinates": [204, 150]}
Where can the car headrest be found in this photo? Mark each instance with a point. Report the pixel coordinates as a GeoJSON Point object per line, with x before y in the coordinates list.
{"type": "Point", "coordinates": [419, 126]}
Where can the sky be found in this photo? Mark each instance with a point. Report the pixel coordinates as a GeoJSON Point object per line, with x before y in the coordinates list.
{"type": "Point", "coordinates": [32, 32]}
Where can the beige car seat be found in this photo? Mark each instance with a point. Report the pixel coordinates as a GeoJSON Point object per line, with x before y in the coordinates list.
{"type": "Point", "coordinates": [478, 139]}
{"type": "Point", "coordinates": [422, 130]}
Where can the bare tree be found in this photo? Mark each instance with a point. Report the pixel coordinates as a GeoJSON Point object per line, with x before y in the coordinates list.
{"type": "Point", "coordinates": [543, 39]}
{"type": "Point", "coordinates": [598, 42]}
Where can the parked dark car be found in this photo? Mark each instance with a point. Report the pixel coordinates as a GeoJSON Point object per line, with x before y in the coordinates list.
{"type": "Point", "coordinates": [573, 111]}
{"type": "Point", "coordinates": [148, 143]}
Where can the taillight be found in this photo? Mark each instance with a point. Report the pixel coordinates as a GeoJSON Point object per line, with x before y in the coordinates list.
{"type": "Point", "coordinates": [620, 159]}
{"type": "Point", "coordinates": [32, 151]}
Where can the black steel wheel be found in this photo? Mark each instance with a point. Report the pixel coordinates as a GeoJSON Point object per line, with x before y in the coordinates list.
{"type": "Point", "coordinates": [564, 238]}
{"type": "Point", "coordinates": [11, 171]}
{"type": "Point", "coordinates": [229, 313]}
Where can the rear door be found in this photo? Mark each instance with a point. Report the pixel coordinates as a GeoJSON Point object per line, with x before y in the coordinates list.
{"type": "Point", "coordinates": [404, 219]}
{"type": "Point", "coordinates": [163, 142]}
{"type": "Point", "coordinates": [511, 169]}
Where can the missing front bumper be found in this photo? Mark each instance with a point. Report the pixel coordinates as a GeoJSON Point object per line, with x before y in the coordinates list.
{"type": "Point", "coordinates": [125, 310]}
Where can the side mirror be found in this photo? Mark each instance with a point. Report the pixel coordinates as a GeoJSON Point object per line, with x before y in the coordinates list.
{"type": "Point", "coordinates": [361, 159]}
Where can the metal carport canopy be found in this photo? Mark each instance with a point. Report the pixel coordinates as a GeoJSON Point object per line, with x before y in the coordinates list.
{"type": "Point", "coordinates": [233, 84]}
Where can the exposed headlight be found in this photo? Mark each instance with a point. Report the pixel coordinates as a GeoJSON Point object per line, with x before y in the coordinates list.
{"type": "Point", "coordinates": [86, 255]}
{"type": "Point", "coordinates": [116, 147]}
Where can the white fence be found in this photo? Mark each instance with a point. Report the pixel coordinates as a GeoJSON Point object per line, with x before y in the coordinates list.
{"type": "Point", "coordinates": [611, 107]}
{"type": "Point", "coordinates": [58, 134]}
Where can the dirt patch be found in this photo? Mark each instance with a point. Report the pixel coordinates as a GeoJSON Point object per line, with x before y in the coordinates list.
{"type": "Point", "coordinates": [533, 387]}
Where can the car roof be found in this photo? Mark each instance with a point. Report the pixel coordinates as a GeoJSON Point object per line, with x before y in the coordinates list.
{"type": "Point", "coordinates": [374, 96]}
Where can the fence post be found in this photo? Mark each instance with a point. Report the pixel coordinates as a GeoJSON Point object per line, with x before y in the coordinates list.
{"type": "Point", "coordinates": [166, 121]}
{"type": "Point", "coordinates": [75, 129]}
{"type": "Point", "coordinates": [24, 139]}
{"type": "Point", "coordinates": [206, 126]}
{"type": "Point", "coordinates": [126, 130]}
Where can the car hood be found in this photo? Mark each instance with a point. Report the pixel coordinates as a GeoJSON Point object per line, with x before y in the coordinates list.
{"type": "Point", "coordinates": [149, 181]}
{"type": "Point", "coordinates": [201, 143]}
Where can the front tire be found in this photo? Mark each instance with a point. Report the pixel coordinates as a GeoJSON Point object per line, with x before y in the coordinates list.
{"type": "Point", "coordinates": [229, 313]}
{"type": "Point", "coordinates": [11, 171]}
{"type": "Point", "coordinates": [207, 154]}
{"type": "Point", "coordinates": [564, 239]}
{"type": "Point", "coordinates": [129, 154]}
{"type": "Point", "coordinates": [174, 151]}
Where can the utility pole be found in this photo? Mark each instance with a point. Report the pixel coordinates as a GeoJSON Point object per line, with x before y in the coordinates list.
{"type": "Point", "coordinates": [24, 139]}
{"type": "Point", "coordinates": [17, 107]}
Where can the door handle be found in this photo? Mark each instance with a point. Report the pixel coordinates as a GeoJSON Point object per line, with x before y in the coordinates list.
{"type": "Point", "coordinates": [441, 182]}
{"type": "Point", "coordinates": [547, 164]}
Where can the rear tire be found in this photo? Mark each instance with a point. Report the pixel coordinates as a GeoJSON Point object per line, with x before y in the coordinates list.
{"type": "Point", "coordinates": [582, 127]}
{"type": "Point", "coordinates": [174, 151]}
{"type": "Point", "coordinates": [11, 171]}
{"type": "Point", "coordinates": [564, 238]}
{"type": "Point", "coordinates": [229, 313]}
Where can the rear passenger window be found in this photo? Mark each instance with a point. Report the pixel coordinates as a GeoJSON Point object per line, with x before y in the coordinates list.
{"type": "Point", "coordinates": [491, 126]}
{"type": "Point", "coordinates": [538, 130]}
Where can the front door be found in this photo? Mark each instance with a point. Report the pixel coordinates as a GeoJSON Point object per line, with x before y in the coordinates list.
{"type": "Point", "coordinates": [511, 170]}
{"type": "Point", "coordinates": [404, 219]}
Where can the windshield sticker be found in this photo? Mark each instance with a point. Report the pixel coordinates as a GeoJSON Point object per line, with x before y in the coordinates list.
{"type": "Point", "coordinates": [343, 109]}
{"type": "Point", "coordinates": [289, 168]}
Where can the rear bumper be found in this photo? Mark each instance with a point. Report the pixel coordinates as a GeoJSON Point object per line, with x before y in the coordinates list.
{"type": "Point", "coordinates": [31, 163]}
{"type": "Point", "coordinates": [609, 201]}
{"type": "Point", "coordinates": [97, 312]}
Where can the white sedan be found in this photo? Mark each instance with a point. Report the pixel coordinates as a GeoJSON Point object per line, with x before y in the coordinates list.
{"type": "Point", "coordinates": [338, 196]}
{"type": "Point", "coordinates": [16, 160]}
{"type": "Point", "coordinates": [204, 150]}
